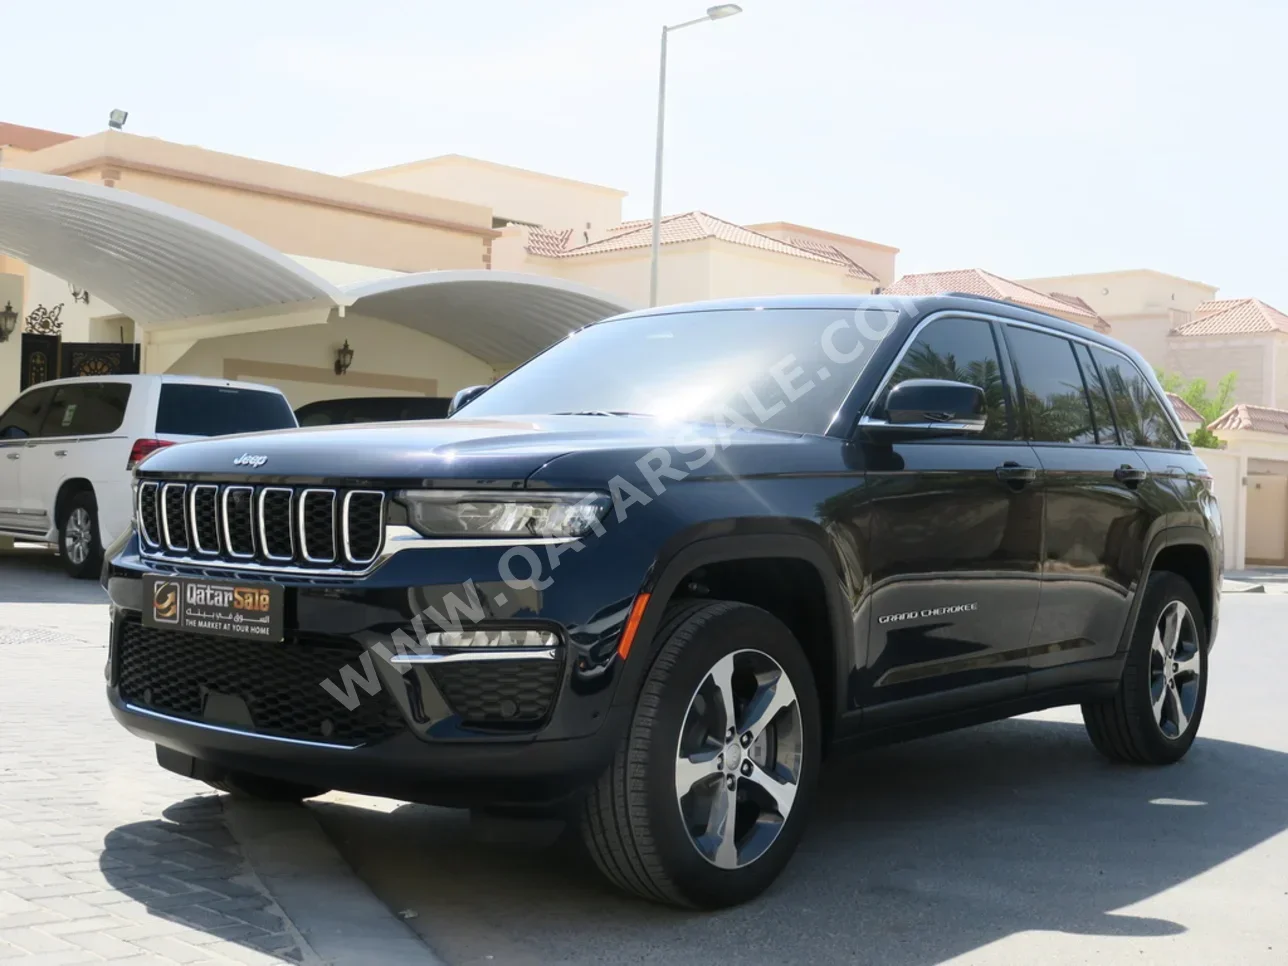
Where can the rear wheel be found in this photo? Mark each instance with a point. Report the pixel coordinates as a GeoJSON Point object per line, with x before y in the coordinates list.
{"type": "Point", "coordinates": [79, 543]}
{"type": "Point", "coordinates": [1155, 716]}
{"type": "Point", "coordinates": [259, 788]}
{"type": "Point", "coordinates": [709, 790]}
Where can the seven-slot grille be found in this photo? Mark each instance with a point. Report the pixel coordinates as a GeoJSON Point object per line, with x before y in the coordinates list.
{"type": "Point", "coordinates": [236, 523]}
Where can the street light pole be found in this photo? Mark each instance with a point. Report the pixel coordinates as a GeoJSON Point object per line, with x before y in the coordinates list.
{"type": "Point", "coordinates": [718, 12]}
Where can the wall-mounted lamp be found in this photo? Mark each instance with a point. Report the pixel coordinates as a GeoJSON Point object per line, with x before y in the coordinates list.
{"type": "Point", "coordinates": [8, 321]}
{"type": "Point", "coordinates": [79, 294]}
{"type": "Point", "coordinates": [343, 359]}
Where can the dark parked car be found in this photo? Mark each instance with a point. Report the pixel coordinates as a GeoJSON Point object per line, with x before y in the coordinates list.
{"type": "Point", "coordinates": [371, 409]}
{"type": "Point", "coordinates": [649, 578]}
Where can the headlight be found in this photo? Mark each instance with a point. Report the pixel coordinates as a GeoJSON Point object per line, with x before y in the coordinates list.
{"type": "Point", "coordinates": [503, 513]}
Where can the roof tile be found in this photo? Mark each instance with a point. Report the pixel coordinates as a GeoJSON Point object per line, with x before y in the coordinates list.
{"type": "Point", "coordinates": [696, 226]}
{"type": "Point", "coordinates": [1233, 317]}
{"type": "Point", "coordinates": [1184, 411]}
{"type": "Point", "coordinates": [976, 281]}
{"type": "Point", "coordinates": [1262, 419]}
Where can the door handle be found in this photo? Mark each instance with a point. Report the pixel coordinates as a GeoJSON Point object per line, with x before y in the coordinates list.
{"type": "Point", "coordinates": [1130, 476]}
{"type": "Point", "coordinates": [15, 456]}
{"type": "Point", "coordinates": [1012, 472]}
{"type": "Point", "coordinates": [60, 453]}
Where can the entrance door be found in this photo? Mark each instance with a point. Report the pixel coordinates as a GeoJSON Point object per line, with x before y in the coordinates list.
{"type": "Point", "coordinates": [39, 359]}
{"type": "Point", "coordinates": [956, 539]}
{"type": "Point", "coordinates": [88, 359]}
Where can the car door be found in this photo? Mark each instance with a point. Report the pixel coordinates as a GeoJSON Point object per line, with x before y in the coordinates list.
{"type": "Point", "coordinates": [20, 424]}
{"type": "Point", "coordinates": [956, 535]}
{"type": "Point", "coordinates": [79, 439]}
{"type": "Point", "coordinates": [1096, 519]}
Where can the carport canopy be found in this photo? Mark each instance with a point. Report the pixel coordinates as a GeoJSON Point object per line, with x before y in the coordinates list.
{"type": "Point", "coordinates": [501, 318]}
{"type": "Point", "coordinates": [153, 261]}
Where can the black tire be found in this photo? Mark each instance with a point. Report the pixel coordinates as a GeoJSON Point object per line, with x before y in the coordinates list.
{"type": "Point", "coordinates": [259, 788]}
{"type": "Point", "coordinates": [80, 508]}
{"type": "Point", "coordinates": [631, 820]}
{"type": "Point", "coordinates": [1124, 728]}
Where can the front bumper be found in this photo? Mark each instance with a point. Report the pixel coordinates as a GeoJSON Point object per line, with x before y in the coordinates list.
{"type": "Point", "coordinates": [438, 735]}
{"type": "Point", "coordinates": [403, 767]}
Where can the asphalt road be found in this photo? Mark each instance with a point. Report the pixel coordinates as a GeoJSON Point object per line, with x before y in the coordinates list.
{"type": "Point", "coordinates": [1013, 843]}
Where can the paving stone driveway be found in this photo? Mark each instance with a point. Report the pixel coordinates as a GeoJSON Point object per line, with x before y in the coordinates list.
{"type": "Point", "coordinates": [104, 856]}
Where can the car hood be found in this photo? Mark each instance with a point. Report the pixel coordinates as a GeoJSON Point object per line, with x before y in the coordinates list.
{"type": "Point", "coordinates": [501, 450]}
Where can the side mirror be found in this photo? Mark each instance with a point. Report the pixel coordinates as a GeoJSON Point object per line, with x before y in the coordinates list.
{"type": "Point", "coordinates": [929, 407]}
{"type": "Point", "coordinates": [465, 396]}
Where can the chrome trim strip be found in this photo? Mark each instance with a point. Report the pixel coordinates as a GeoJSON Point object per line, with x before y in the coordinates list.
{"type": "Point", "coordinates": [143, 529]}
{"type": "Point", "coordinates": [228, 541]}
{"type": "Point", "coordinates": [344, 525]}
{"type": "Point", "coordinates": [224, 730]}
{"type": "Point", "coordinates": [263, 529]}
{"type": "Point", "coordinates": [971, 428]}
{"type": "Point", "coordinates": [304, 542]}
{"type": "Point", "coordinates": [192, 518]}
{"type": "Point", "coordinates": [165, 516]}
{"type": "Point", "coordinates": [405, 538]}
{"type": "Point", "coordinates": [396, 540]}
{"type": "Point", "coordinates": [1005, 350]}
{"type": "Point", "coordinates": [482, 654]}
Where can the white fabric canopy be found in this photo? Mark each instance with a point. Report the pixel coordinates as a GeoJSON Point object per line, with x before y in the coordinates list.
{"type": "Point", "coordinates": [151, 260]}
{"type": "Point", "coordinates": [502, 318]}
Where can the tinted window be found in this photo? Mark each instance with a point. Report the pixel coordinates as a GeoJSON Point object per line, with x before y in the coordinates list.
{"type": "Point", "coordinates": [1106, 434]}
{"type": "Point", "coordinates": [371, 410]}
{"type": "Point", "coordinates": [188, 410]}
{"type": "Point", "coordinates": [92, 409]}
{"type": "Point", "coordinates": [776, 368]}
{"type": "Point", "coordinates": [1141, 416]}
{"type": "Point", "coordinates": [961, 350]}
{"type": "Point", "coordinates": [1055, 398]}
{"type": "Point", "coordinates": [22, 419]}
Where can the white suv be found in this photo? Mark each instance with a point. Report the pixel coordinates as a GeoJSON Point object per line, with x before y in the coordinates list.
{"type": "Point", "coordinates": [68, 449]}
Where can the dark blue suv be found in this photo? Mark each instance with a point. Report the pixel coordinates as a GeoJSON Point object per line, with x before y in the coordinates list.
{"type": "Point", "coordinates": [650, 578]}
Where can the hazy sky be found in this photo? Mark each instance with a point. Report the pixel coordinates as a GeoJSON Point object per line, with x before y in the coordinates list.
{"type": "Point", "coordinates": [1028, 138]}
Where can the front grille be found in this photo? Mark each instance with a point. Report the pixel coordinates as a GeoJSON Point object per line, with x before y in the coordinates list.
{"type": "Point", "coordinates": [270, 526]}
{"type": "Point", "coordinates": [499, 693]}
{"type": "Point", "coordinates": [149, 518]}
{"type": "Point", "coordinates": [270, 689]}
{"type": "Point", "coordinates": [317, 525]}
{"type": "Point", "coordinates": [174, 516]}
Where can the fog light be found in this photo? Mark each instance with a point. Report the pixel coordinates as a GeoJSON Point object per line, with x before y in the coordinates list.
{"type": "Point", "coordinates": [453, 640]}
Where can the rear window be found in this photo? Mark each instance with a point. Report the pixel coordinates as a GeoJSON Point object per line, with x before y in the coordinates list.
{"type": "Point", "coordinates": [186, 410]}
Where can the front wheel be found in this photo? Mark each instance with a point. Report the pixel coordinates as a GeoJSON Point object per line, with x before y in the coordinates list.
{"type": "Point", "coordinates": [79, 543]}
{"type": "Point", "coordinates": [1154, 717]}
{"type": "Point", "coordinates": [707, 796]}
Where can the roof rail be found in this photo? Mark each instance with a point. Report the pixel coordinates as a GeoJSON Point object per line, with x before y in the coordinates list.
{"type": "Point", "coordinates": [983, 298]}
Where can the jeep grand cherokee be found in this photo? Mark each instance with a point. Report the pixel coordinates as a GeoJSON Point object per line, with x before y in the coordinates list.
{"type": "Point", "coordinates": [650, 577]}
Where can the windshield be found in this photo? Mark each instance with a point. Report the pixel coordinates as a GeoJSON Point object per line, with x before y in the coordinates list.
{"type": "Point", "coordinates": [782, 369]}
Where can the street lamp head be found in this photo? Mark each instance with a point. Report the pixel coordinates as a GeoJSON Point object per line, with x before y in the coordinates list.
{"type": "Point", "coordinates": [722, 10]}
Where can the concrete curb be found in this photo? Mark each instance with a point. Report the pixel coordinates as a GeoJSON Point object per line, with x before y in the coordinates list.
{"type": "Point", "coordinates": [1236, 588]}
{"type": "Point", "coordinates": [335, 913]}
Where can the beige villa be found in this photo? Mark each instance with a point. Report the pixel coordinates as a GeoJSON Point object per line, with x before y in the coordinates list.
{"type": "Point", "coordinates": [439, 273]}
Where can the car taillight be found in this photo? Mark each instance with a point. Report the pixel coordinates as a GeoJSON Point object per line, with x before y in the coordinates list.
{"type": "Point", "coordinates": [143, 448]}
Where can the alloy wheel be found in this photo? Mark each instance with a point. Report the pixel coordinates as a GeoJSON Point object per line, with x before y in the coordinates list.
{"type": "Point", "coordinates": [78, 535]}
{"type": "Point", "coordinates": [738, 761]}
{"type": "Point", "coordinates": [1174, 670]}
